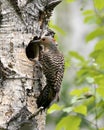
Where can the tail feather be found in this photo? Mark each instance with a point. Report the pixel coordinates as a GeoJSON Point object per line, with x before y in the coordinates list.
{"type": "Point", "coordinates": [46, 96]}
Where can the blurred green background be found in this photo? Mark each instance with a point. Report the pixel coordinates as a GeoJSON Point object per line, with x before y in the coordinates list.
{"type": "Point", "coordinates": [79, 27]}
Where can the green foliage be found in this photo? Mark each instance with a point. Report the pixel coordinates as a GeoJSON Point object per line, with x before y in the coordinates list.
{"type": "Point", "coordinates": [57, 29]}
{"type": "Point", "coordinates": [82, 109]}
{"type": "Point", "coordinates": [98, 32]}
{"type": "Point", "coordinates": [99, 4]}
{"type": "Point", "coordinates": [101, 129]}
{"type": "Point", "coordinates": [79, 92]}
{"type": "Point", "coordinates": [67, 61]}
{"type": "Point", "coordinates": [76, 55]}
{"type": "Point", "coordinates": [87, 98]}
{"type": "Point", "coordinates": [70, 0]}
{"type": "Point", "coordinates": [69, 122]}
{"type": "Point", "coordinates": [53, 108]}
{"type": "Point", "coordinates": [68, 109]}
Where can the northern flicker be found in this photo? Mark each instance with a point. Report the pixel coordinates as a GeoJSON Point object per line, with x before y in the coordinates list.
{"type": "Point", "coordinates": [52, 62]}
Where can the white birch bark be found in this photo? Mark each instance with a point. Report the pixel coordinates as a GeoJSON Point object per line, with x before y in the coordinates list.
{"type": "Point", "coordinates": [20, 78]}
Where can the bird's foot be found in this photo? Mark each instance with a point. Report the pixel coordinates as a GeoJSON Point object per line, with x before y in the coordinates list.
{"type": "Point", "coordinates": [37, 63]}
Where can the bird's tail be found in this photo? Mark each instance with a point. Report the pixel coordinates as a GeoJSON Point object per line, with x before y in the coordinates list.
{"type": "Point", "coordinates": [47, 95]}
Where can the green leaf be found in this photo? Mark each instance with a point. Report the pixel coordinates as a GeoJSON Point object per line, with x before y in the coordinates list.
{"type": "Point", "coordinates": [101, 128]}
{"type": "Point", "coordinates": [54, 108]}
{"type": "Point", "coordinates": [88, 12]}
{"type": "Point", "coordinates": [90, 19]}
{"type": "Point", "coordinates": [100, 79]}
{"type": "Point", "coordinates": [68, 109]}
{"type": "Point", "coordinates": [70, 0]}
{"type": "Point", "coordinates": [99, 57]}
{"type": "Point", "coordinates": [90, 16]}
{"type": "Point", "coordinates": [99, 4]}
{"type": "Point", "coordinates": [79, 92]}
{"type": "Point", "coordinates": [82, 109]}
{"type": "Point", "coordinates": [76, 55]}
{"type": "Point", "coordinates": [97, 32]}
{"type": "Point", "coordinates": [99, 45]}
{"type": "Point", "coordinates": [90, 80]}
{"type": "Point", "coordinates": [69, 122]}
{"type": "Point", "coordinates": [74, 100]}
{"type": "Point", "coordinates": [57, 28]}
{"type": "Point", "coordinates": [100, 90]}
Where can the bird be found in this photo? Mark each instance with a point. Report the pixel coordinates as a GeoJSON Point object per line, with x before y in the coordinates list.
{"type": "Point", "coordinates": [52, 61]}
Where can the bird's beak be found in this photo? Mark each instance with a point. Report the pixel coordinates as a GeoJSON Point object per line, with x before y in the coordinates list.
{"type": "Point", "coordinates": [36, 41]}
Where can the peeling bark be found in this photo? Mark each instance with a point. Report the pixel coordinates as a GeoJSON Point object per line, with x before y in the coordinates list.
{"type": "Point", "coordinates": [20, 78]}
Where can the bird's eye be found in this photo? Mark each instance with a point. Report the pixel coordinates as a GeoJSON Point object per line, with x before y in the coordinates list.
{"type": "Point", "coordinates": [43, 39]}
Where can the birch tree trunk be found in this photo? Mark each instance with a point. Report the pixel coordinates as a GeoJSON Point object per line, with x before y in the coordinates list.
{"type": "Point", "coordinates": [20, 78]}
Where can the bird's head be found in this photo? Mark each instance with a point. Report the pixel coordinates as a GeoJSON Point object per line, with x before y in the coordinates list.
{"type": "Point", "coordinates": [46, 41]}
